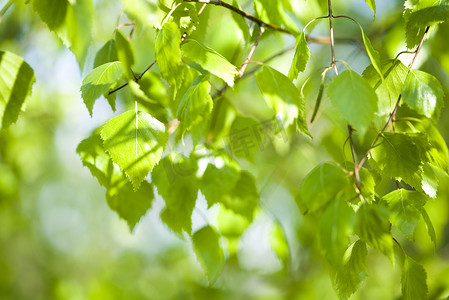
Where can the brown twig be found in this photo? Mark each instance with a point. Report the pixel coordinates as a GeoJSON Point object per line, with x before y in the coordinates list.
{"type": "Point", "coordinates": [393, 113]}
{"type": "Point", "coordinates": [243, 66]}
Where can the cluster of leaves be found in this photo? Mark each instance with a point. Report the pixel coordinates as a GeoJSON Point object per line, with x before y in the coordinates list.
{"type": "Point", "coordinates": [340, 195]}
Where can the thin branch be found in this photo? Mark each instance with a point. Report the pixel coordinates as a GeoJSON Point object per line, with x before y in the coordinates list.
{"type": "Point", "coordinates": [242, 68]}
{"type": "Point", "coordinates": [138, 77]}
{"type": "Point", "coordinates": [5, 9]}
{"type": "Point", "coordinates": [243, 14]}
{"type": "Point", "coordinates": [393, 113]}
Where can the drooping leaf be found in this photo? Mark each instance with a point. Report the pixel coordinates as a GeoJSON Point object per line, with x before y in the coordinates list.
{"type": "Point", "coordinates": [414, 280]}
{"type": "Point", "coordinates": [388, 89]}
{"type": "Point", "coordinates": [423, 93]}
{"type": "Point", "coordinates": [429, 225]}
{"type": "Point", "coordinates": [372, 54]}
{"type": "Point", "coordinates": [106, 54]}
{"type": "Point", "coordinates": [130, 205]}
{"type": "Point", "coordinates": [124, 54]}
{"type": "Point", "coordinates": [401, 156]}
{"type": "Point", "coordinates": [321, 186]}
{"type": "Point", "coordinates": [168, 54]}
{"type": "Point", "coordinates": [230, 186]}
{"type": "Point", "coordinates": [336, 225]}
{"type": "Point", "coordinates": [273, 12]}
{"type": "Point", "coordinates": [71, 21]}
{"type": "Point", "coordinates": [135, 141]}
{"type": "Point", "coordinates": [373, 227]}
{"type": "Point", "coordinates": [353, 270]}
{"type": "Point", "coordinates": [279, 243]}
{"type": "Point", "coordinates": [372, 5]}
{"type": "Point", "coordinates": [206, 243]}
{"type": "Point", "coordinates": [283, 96]}
{"type": "Point", "coordinates": [405, 210]}
{"type": "Point", "coordinates": [241, 23]}
{"type": "Point", "coordinates": [16, 81]}
{"type": "Point", "coordinates": [196, 105]}
{"type": "Point", "coordinates": [301, 57]}
{"type": "Point", "coordinates": [354, 98]}
{"type": "Point", "coordinates": [99, 82]}
{"type": "Point", "coordinates": [175, 179]}
{"type": "Point", "coordinates": [208, 59]}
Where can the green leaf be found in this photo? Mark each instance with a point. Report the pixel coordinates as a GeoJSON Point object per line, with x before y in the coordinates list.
{"type": "Point", "coordinates": [124, 54]}
{"type": "Point", "coordinates": [388, 89]}
{"type": "Point", "coordinates": [168, 54]}
{"type": "Point", "coordinates": [99, 82]}
{"type": "Point", "coordinates": [106, 54]}
{"type": "Point", "coordinates": [321, 186]}
{"type": "Point", "coordinates": [273, 12]}
{"type": "Point", "coordinates": [206, 243]}
{"type": "Point", "coordinates": [230, 224]}
{"type": "Point", "coordinates": [372, 5]}
{"type": "Point", "coordinates": [279, 243]}
{"type": "Point", "coordinates": [373, 227]}
{"type": "Point", "coordinates": [423, 93]}
{"type": "Point", "coordinates": [414, 280]}
{"type": "Point", "coordinates": [336, 225]}
{"type": "Point", "coordinates": [130, 205]}
{"type": "Point", "coordinates": [405, 210]}
{"type": "Point", "coordinates": [372, 54]}
{"type": "Point", "coordinates": [233, 188]}
{"type": "Point", "coordinates": [209, 60]}
{"type": "Point", "coordinates": [135, 141]}
{"type": "Point", "coordinates": [241, 23]}
{"type": "Point", "coordinates": [429, 225]}
{"type": "Point", "coordinates": [16, 81]}
{"type": "Point", "coordinates": [302, 55]}
{"type": "Point", "coordinates": [424, 14]}
{"type": "Point", "coordinates": [71, 21]}
{"type": "Point", "coordinates": [353, 271]}
{"type": "Point", "coordinates": [283, 97]}
{"type": "Point", "coordinates": [175, 179]}
{"type": "Point", "coordinates": [401, 156]}
{"type": "Point", "coordinates": [196, 105]}
{"type": "Point", "coordinates": [354, 98]}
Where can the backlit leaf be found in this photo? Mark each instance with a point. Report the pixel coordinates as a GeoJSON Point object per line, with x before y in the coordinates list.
{"type": "Point", "coordinates": [241, 23]}
{"type": "Point", "coordinates": [301, 57]}
{"type": "Point", "coordinates": [124, 54]}
{"type": "Point", "coordinates": [372, 54]}
{"type": "Point", "coordinates": [372, 5]}
{"type": "Point", "coordinates": [206, 243]}
{"type": "Point", "coordinates": [99, 82]}
{"type": "Point", "coordinates": [414, 280]}
{"type": "Point", "coordinates": [429, 225]}
{"type": "Point", "coordinates": [354, 98]}
{"type": "Point", "coordinates": [106, 54]}
{"type": "Point", "coordinates": [16, 81]}
{"type": "Point", "coordinates": [405, 210]}
{"type": "Point", "coordinates": [209, 60]}
{"type": "Point", "coordinates": [135, 141]}
{"type": "Point", "coordinates": [279, 243]}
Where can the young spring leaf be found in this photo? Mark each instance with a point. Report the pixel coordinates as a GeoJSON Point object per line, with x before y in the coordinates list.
{"type": "Point", "coordinates": [353, 270]}
{"type": "Point", "coordinates": [124, 54]}
{"type": "Point", "coordinates": [372, 5]}
{"type": "Point", "coordinates": [195, 106]}
{"type": "Point", "coordinates": [405, 210]}
{"type": "Point", "coordinates": [273, 12]}
{"type": "Point", "coordinates": [429, 225]}
{"type": "Point", "coordinates": [336, 225]}
{"type": "Point", "coordinates": [373, 227]}
{"type": "Point", "coordinates": [321, 186]}
{"type": "Point", "coordinates": [372, 54]}
{"type": "Point", "coordinates": [135, 141]}
{"type": "Point", "coordinates": [241, 23]}
{"type": "Point", "coordinates": [16, 81]}
{"type": "Point", "coordinates": [414, 280]}
{"type": "Point", "coordinates": [106, 54]}
{"type": "Point", "coordinates": [301, 57]}
{"type": "Point", "coordinates": [168, 54]}
{"type": "Point", "coordinates": [279, 243]}
{"type": "Point", "coordinates": [283, 96]}
{"type": "Point", "coordinates": [354, 98]}
{"type": "Point", "coordinates": [175, 179]}
{"type": "Point", "coordinates": [400, 156]}
{"type": "Point", "coordinates": [99, 82]}
{"type": "Point", "coordinates": [206, 243]}
{"type": "Point", "coordinates": [423, 93]}
{"type": "Point", "coordinates": [209, 60]}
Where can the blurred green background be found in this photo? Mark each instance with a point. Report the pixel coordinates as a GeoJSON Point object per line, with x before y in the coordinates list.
{"type": "Point", "coordinates": [59, 239]}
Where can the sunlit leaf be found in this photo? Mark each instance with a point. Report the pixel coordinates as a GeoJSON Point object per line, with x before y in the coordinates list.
{"type": "Point", "coordinates": [405, 210]}
{"type": "Point", "coordinates": [106, 54]}
{"type": "Point", "coordinates": [241, 23]}
{"type": "Point", "coordinates": [354, 98]}
{"type": "Point", "coordinates": [429, 225]}
{"type": "Point", "coordinates": [414, 280]}
{"type": "Point", "coordinates": [135, 141]}
{"type": "Point", "coordinates": [209, 60]}
{"type": "Point", "coordinates": [206, 243]}
{"type": "Point", "coordinates": [99, 82]}
{"type": "Point", "coordinates": [372, 5]}
{"type": "Point", "coordinates": [372, 54]}
{"type": "Point", "coordinates": [279, 243]}
{"type": "Point", "coordinates": [16, 81]}
{"type": "Point", "coordinates": [125, 54]}
{"type": "Point", "coordinates": [301, 57]}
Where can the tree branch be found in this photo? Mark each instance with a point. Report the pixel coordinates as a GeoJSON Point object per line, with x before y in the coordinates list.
{"type": "Point", "coordinates": [243, 14]}
{"type": "Point", "coordinates": [393, 113]}
{"type": "Point", "coordinates": [138, 77]}
{"type": "Point", "coordinates": [242, 68]}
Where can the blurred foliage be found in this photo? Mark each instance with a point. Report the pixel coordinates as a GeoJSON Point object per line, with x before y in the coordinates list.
{"type": "Point", "coordinates": [59, 239]}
